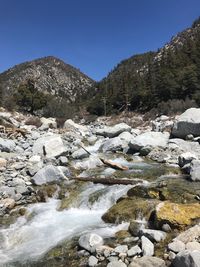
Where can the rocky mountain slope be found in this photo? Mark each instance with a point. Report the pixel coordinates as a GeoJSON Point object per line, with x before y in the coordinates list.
{"type": "Point", "coordinates": [141, 82]}
{"type": "Point", "coordinates": [50, 75]}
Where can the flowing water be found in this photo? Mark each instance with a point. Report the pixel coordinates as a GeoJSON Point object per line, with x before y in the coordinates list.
{"type": "Point", "coordinates": [32, 235]}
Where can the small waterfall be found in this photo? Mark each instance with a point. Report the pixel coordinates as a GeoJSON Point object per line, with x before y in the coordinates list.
{"type": "Point", "coordinates": [44, 227]}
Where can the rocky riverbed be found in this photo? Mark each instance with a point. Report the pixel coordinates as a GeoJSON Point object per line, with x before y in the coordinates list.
{"type": "Point", "coordinates": [48, 217]}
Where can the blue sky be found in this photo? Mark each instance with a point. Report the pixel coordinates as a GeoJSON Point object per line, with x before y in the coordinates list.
{"type": "Point", "coordinates": [92, 35]}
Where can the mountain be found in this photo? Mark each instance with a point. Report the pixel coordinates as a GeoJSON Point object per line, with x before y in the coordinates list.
{"type": "Point", "coordinates": [50, 76]}
{"type": "Point", "coordinates": [169, 77]}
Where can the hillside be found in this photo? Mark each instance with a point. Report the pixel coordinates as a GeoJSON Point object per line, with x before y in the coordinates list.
{"type": "Point", "coordinates": [146, 81]}
{"type": "Point", "coordinates": [50, 77]}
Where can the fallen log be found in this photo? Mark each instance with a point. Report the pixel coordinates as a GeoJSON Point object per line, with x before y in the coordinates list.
{"type": "Point", "coordinates": [114, 165]}
{"type": "Point", "coordinates": [109, 163]}
{"type": "Point", "coordinates": [108, 181]}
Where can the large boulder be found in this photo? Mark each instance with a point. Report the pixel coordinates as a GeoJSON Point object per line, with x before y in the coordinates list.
{"type": "Point", "coordinates": [187, 123]}
{"type": "Point", "coordinates": [130, 209]}
{"type": "Point", "coordinates": [176, 215]}
{"type": "Point", "coordinates": [49, 145]}
{"type": "Point", "coordinates": [147, 261]}
{"type": "Point", "coordinates": [113, 144]}
{"type": "Point", "coordinates": [48, 174]}
{"type": "Point", "coordinates": [72, 126]}
{"type": "Point", "coordinates": [7, 145]}
{"type": "Point", "coordinates": [113, 131]}
{"type": "Point", "coordinates": [149, 139]}
{"type": "Point", "coordinates": [187, 258]}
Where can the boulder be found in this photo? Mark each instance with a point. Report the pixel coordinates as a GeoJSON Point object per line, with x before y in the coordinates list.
{"type": "Point", "coordinates": [149, 139]}
{"type": "Point", "coordinates": [195, 170]}
{"type": "Point", "coordinates": [121, 249]}
{"type": "Point", "coordinates": [72, 126]}
{"type": "Point", "coordinates": [147, 246]}
{"type": "Point", "coordinates": [176, 246]}
{"type": "Point", "coordinates": [187, 123]}
{"type": "Point", "coordinates": [154, 235]}
{"type": "Point", "coordinates": [49, 146]}
{"type": "Point", "coordinates": [176, 215]}
{"type": "Point", "coordinates": [80, 154]}
{"type": "Point", "coordinates": [136, 250]}
{"type": "Point", "coordinates": [48, 174]}
{"type": "Point", "coordinates": [92, 261]}
{"type": "Point", "coordinates": [90, 242]}
{"type": "Point", "coordinates": [7, 145]}
{"type": "Point", "coordinates": [190, 235]}
{"type": "Point", "coordinates": [147, 261]}
{"type": "Point", "coordinates": [113, 131]}
{"type": "Point", "coordinates": [130, 209]}
{"type": "Point", "coordinates": [187, 258]}
{"type": "Point", "coordinates": [113, 144]}
{"type": "Point", "coordinates": [186, 158]}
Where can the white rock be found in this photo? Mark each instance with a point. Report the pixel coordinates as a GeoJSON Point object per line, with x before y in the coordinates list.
{"type": "Point", "coordinates": [176, 246]}
{"type": "Point", "coordinates": [187, 123]}
{"type": "Point", "coordinates": [113, 131]}
{"type": "Point", "coordinates": [147, 246]}
{"type": "Point", "coordinates": [90, 241]}
{"type": "Point", "coordinates": [52, 144]}
{"type": "Point", "coordinates": [149, 139]}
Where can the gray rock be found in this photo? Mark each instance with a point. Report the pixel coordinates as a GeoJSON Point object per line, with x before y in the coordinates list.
{"type": "Point", "coordinates": [135, 227]}
{"type": "Point", "coordinates": [80, 154]}
{"type": "Point", "coordinates": [23, 190]}
{"type": "Point", "coordinates": [50, 145]}
{"type": "Point", "coordinates": [90, 241]}
{"type": "Point", "coordinates": [71, 125]}
{"type": "Point", "coordinates": [47, 175]}
{"type": "Point", "coordinates": [147, 246]}
{"type": "Point", "coordinates": [187, 258]}
{"type": "Point", "coordinates": [186, 158]}
{"type": "Point", "coordinates": [147, 261]}
{"type": "Point", "coordinates": [7, 145]}
{"type": "Point", "coordinates": [149, 139]}
{"type": "Point", "coordinates": [166, 228]}
{"type": "Point", "coordinates": [136, 250]}
{"type": "Point", "coordinates": [121, 249]}
{"type": "Point", "coordinates": [195, 170]}
{"type": "Point", "coordinates": [187, 123]}
{"type": "Point", "coordinates": [7, 191]}
{"type": "Point", "coordinates": [92, 261]}
{"type": "Point", "coordinates": [63, 160]}
{"type": "Point", "coordinates": [114, 144]}
{"type": "Point", "coordinates": [116, 264]}
{"type": "Point", "coordinates": [176, 246]}
{"type": "Point", "coordinates": [154, 235]}
{"type": "Point", "coordinates": [113, 131]}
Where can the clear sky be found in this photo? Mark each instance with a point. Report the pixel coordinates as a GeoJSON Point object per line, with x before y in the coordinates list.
{"type": "Point", "coordinates": [92, 35]}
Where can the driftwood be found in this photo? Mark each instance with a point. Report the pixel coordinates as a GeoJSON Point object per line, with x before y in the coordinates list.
{"type": "Point", "coordinates": [107, 181]}
{"type": "Point", "coordinates": [109, 163]}
{"type": "Point", "coordinates": [114, 165]}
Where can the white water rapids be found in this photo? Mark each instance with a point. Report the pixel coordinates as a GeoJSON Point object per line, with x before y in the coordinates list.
{"type": "Point", "coordinates": [30, 237]}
